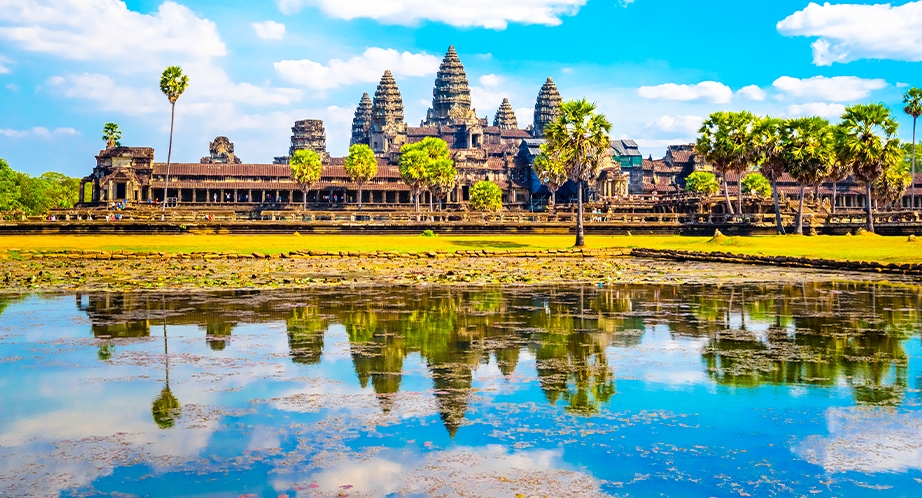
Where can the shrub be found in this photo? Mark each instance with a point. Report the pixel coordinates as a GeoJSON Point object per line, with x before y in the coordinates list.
{"type": "Point", "coordinates": [702, 182]}
{"type": "Point", "coordinates": [486, 196]}
{"type": "Point", "coordinates": [428, 233]}
{"type": "Point", "coordinates": [757, 185]}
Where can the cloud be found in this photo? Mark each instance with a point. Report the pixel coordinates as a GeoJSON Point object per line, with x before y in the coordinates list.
{"type": "Point", "coordinates": [821, 109]}
{"type": "Point", "coordinates": [490, 80]}
{"type": "Point", "coordinates": [38, 131]}
{"type": "Point", "coordinates": [835, 89]}
{"type": "Point", "coordinates": [3, 68]}
{"type": "Point", "coordinates": [487, 101]}
{"type": "Point", "coordinates": [269, 30]}
{"type": "Point", "coordinates": [493, 14]}
{"type": "Point", "coordinates": [106, 93]}
{"type": "Point", "coordinates": [105, 30]}
{"type": "Point", "coordinates": [686, 125]}
{"type": "Point", "coordinates": [850, 32]}
{"type": "Point", "coordinates": [713, 91]}
{"type": "Point", "coordinates": [366, 68]}
{"type": "Point", "coordinates": [752, 92]}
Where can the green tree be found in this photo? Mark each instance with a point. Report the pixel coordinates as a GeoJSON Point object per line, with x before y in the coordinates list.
{"type": "Point", "coordinates": [767, 138]}
{"type": "Point", "coordinates": [743, 153]}
{"type": "Point", "coordinates": [702, 182]}
{"type": "Point", "coordinates": [579, 137]}
{"type": "Point", "coordinates": [808, 145]}
{"type": "Point", "coordinates": [486, 196]}
{"type": "Point", "coordinates": [551, 171]}
{"type": "Point", "coordinates": [913, 107]}
{"type": "Point", "coordinates": [9, 188]}
{"type": "Point", "coordinates": [172, 83]}
{"type": "Point", "coordinates": [757, 185]}
{"type": "Point", "coordinates": [841, 168]}
{"type": "Point", "coordinates": [714, 144]}
{"type": "Point", "coordinates": [417, 162]}
{"type": "Point", "coordinates": [305, 170]}
{"type": "Point", "coordinates": [361, 166]}
{"type": "Point", "coordinates": [441, 178]}
{"type": "Point", "coordinates": [867, 141]}
{"type": "Point", "coordinates": [111, 135]}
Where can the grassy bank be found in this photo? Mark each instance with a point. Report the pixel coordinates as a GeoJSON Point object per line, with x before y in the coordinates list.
{"type": "Point", "coordinates": [853, 248]}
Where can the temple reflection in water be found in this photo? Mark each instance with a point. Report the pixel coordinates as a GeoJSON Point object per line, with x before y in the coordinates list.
{"type": "Point", "coordinates": [835, 334]}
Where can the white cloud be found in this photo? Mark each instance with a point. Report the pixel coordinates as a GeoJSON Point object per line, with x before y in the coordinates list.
{"type": "Point", "coordinates": [687, 125]}
{"type": "Point", "coordinates": [104, 91]}
{"type": "Point", "coordinates": [3, 68]}
{"type": "Point", "coordinates": [835, 89]}
{"type": "Point", "coordinates": [752, 92]}
{"type": "Point", "coordinates": [525, 116]}
{"type": "Point", "coordinates": [12, 87]}
{"type": "Point", "coordinates": [366, 68]}
{"type": "Point", "coordinates": [487, 101]}
{"type": "Point", "coordinates": [490, 80]}
{"type": "Point", "coordinates": [713, 91]}
{"type": "Point", "coordinates": [494, 14]}
{"type": "Point", "coordinates": [850, 32]}
{"type": "Point", "coordinates": [105, 30]}
{"type": "Point", "coordinates": [39, 131]}
{"type": "Point", "coordinates": [821, 109]}
{"type": "Point", "coordinates": [269, 30]}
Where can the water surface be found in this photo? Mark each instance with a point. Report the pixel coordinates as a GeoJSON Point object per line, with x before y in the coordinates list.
{"type": "Point", "coordinates": [769, 390]}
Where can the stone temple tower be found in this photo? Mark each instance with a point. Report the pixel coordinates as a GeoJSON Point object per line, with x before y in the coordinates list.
{"type": "Point", "coordinates": [451, 89]}
{"type": "Point", "coordinates": [307, 134]}
{"type": "Point", "coordinates": [361, 123]}
{"type": "Point", "coordinates": [388, 130]}
{"type": "Point", "coordinates": [547, 107]}
{"type": "Point", "coordinates": [505, 117]}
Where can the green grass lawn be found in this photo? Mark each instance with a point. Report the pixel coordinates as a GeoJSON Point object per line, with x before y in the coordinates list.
{"type": "Point", "coordinates": [860, 247]}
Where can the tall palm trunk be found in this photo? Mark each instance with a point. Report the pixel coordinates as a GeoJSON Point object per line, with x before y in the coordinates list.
{"type": "Point", "coordinates": [727, 193]}
{"type": "Point", "coordinates": [580, 237]}
{"type": "Point", "coordinates": [869, 208]}
{"type": "Point", "coordinates": [360, 196]}
{"type": "Point", "coordinates": [912, 196]}
{"type": "Point", "coordinates": [739, 190]}
{"type": "Point", "coordinates": [778, 223]}
{"type": "Point", "coordinates": [416, 199]}
{"type": "Point", "coordinates": [304, 200]}
{"type": "Point", "coordinates": [169, 155]}
{"type": "Point", "coordinates": [800, 213]}
{"type": "Point", "coordinates": [835, 188]}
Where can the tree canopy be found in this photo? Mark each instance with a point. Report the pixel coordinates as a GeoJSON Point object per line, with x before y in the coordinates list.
{"type": "Point", "coordinates": [36, 195]}
{"type": "Point", "coordinates": [305, 170]}
{"type": "Point", "coordinates": [421, 160]}
{"type": "Point", "coordinates": [550, 170]}
{"type": "Point", "coordinates": [808, 155]}
{"type": "Point", "coordinates": [702, 182]}
{"type": "Point", "coordinates": [111, 135]}
{"type": "Point", "coordinates": [361, 165]}
{"type": "Point", "coordinates": [757, 185]}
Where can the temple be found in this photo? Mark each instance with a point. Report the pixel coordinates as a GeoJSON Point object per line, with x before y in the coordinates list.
{"type": "Point", "coordinates": [499, 151]}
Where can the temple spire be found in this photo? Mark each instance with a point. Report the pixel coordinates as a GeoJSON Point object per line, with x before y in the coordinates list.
{"type": "Point", "coordinates": [547, 107]}
{"type": "Point", "coordinates": [361, 123]}
{"type": "Point", "coordinates": [388, 131]}
{"type": "Point", "coordinates": [451, 89]}
{"type": "Point", "coordinates": [505, 117]}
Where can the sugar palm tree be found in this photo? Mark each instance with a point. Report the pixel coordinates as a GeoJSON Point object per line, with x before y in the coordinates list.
{"type": "Point", "coordinates": [767, 138]}
{"type": "Point", "coordinates": [867, 138]}
{"type": "Point", "coordinates": [166, 408]}
{"type": "Point", "coordinates": [306, 168]}
{"type": "Point", "coordinates": [713, 145]}
{"type": "Point", "coordinates": [111, 135]}
{"type": "Point", "coordinates": [172, 83]}
{"type": "Point", "coordinates": [361, 165]}
{"type": "Point", "coordinates": [913, 102]}
{"type": "Point", "coordinates": [808, 155]}
{"type": "Point", "coordinates": [551, 172]}
{"type": "Point", "coordinates": [579, 137]}
{"type": "Point", "coordinates": [743, 153]}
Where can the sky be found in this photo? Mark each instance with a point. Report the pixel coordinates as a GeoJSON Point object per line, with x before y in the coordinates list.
{"type": "Point", "coordinates": [656, 68]}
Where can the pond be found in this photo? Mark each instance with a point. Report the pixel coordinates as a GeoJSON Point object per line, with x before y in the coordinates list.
{"type": "Point", "coordinates": [635, 390]}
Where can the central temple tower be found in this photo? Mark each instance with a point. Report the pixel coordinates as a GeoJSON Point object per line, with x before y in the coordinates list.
{"type": "Point", "coordinates": [451, 90]}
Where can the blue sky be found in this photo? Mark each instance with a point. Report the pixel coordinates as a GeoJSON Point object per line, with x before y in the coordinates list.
{"type": "Point", "coordinates": [655, 67]}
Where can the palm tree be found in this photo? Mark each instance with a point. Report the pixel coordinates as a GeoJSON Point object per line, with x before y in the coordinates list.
{"type": "Point", "coordinates": [742, 151]}
{"type": "Point", "coordinates": [767, 138]}
{"type": "Point", "coordinates": [172, 83]}
{"type": "Point", "coordinates": [306, 169]}
{"type": "Point", "coordinates": [841, 168]}
{"type": "Point", "coordinates": [579, 137]}
{"type": "Point", "coordinates": [361, 165]}
{"type": "Point", "coordinates": [713, 145]}
{"type": "Point", "coordinates": [111, 135]}
{"type": "Point", "coordinates": [913, 101]}
{"type": "Point", "coordinates": [166, 408]}
{"type": "Point", "coordinates": [808, 154]}
{"type": "Point", "coordinates": [551, 172]}
{"type": "Point", "coordinates": [441, 178]}
{"type": "Point", "coordinates": [867, 137]}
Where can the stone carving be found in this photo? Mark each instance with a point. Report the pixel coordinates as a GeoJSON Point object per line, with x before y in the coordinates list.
{"type": "Point", "coordinates": [547, 107]}
{"type": "Point", "coordinates": [451, 90]}
{"type": "Point", "coordinates": [388, 129]}
{"type": "Point", "coordinates": [505, 117]}
{"type": "Point", "coordinates": [361, 123]}
{"type": "Point", "coordinates": [222, 152]}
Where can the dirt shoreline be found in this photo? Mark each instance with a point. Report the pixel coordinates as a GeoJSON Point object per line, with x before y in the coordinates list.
{"type": "Point", "coordinates": [87, 275]}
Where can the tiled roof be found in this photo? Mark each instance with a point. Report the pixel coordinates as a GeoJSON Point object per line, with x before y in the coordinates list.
{"type": "Point", "coordinates": [226, 170]}
{"type": "Point", "coordinates": [514, 133]}
{"type": "Point", "coordinates": [422, 131]}
{"type": "Point", "coordinates": [683, 156]}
